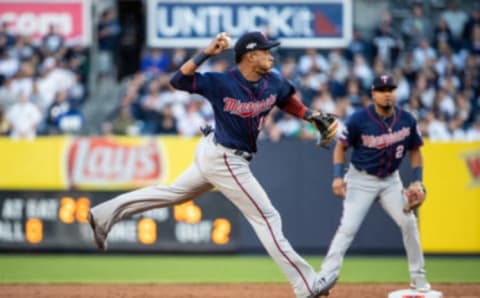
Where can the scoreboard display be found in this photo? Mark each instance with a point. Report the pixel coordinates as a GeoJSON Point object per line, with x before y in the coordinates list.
{"type": "Point", "coordinates": [59, 221]}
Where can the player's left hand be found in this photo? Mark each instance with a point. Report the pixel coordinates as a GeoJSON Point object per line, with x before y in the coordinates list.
{"type": "Point", "coordinates": [415, 194]}
{"type": "Point", "coordinates": [220, 43]}
{"type": "Point", "coordinates": [326, 124]}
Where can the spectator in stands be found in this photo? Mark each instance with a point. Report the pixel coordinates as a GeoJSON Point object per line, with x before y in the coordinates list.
{"type": "Point", "coordinates": [386, 41]}
{"type": "Point", "coordinates": [4, 125]}
{"type": "Point", "coordinates": [189, 125]}
{"type": "Point", "coordinates": [473, 134]}
{"type": "Point", "coordinates": [7, 94]}
{"type": "Point", "coordinates": [442, 34]}
{"type": "Point", "coordinates": [423, 52]}
{"type": "Point", "coordinates": [9, 39]}
{"type": "Point", "coordinates": [108, 30]}
{"type": "Point", "coordinates": [312, 62]}
{"type": "Point", "coordinates": [359, 46]}
{"type": "Point", "coordinates": [53, 44]}
{"type": "Point", "coordinates": [288, 126]}
{"type": "Point", "coordinates": [56, 111]}
{"type": "Point", "coordinates": [23, 118]}
{"type": "Point", "coordinates": [155, 62]}
{"type": "Point", "coordinates": [417, 26]}
{"type": "Point", "coordinates": [473, 21]}
{"type": "Point", "coordinates": [123, 122]}
{"type": "Point", "coordinates": [456, 20]}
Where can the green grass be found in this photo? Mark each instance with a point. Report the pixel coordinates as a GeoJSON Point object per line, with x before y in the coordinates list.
{"type": "Point", "coordinates": [214, 269]}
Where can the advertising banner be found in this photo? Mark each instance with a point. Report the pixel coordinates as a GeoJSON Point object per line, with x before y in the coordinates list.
{"type": "Point", "coordinates": [304, 23]}
{"type": "Point", "coordinates": [58, 221]}
{"type": "Point", "coordinates": [71, 18]}
{"type": "Point", "coordinates": [449, 218]}
{"type": "Point", "coordinates": [58, 163]}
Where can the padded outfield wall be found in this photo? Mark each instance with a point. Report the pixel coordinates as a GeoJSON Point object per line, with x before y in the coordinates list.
{"type": "Point", "coordinates": [48, 185]}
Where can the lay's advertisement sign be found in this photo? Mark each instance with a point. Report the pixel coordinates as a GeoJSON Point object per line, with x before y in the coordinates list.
{"type": "Point", "coordinates": [57, 163]}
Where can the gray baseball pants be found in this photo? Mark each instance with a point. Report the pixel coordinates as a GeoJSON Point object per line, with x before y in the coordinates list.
{"type": "Point", "coordinates": [362, 190]}
{"type": "Point", "coordinates": [218, 166]}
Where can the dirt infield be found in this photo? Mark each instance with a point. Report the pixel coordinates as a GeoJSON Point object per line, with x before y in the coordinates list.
{"type": "Point", "coordinates": [216, 291]}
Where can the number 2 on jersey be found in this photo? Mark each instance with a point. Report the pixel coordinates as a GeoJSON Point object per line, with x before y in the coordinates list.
{"type": "Point", "coordinates": [399, 152]}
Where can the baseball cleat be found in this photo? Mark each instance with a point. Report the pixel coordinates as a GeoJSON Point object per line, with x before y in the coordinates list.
{"type": "Point", "coordinates": [420, 284]}
{"type": "Point", "coordinates": [323, 286]}
{"type": "Point", "coordinates": [99, 237]}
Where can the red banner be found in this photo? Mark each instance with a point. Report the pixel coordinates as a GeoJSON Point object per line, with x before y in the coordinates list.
{"type": "Point", "coordinates": [71, 18]}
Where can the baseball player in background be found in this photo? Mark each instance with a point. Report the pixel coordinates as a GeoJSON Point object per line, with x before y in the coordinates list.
{"type": "Point", "coordinates": [241, 98]}
{"type": "Point", "coordinates": [380, 136]}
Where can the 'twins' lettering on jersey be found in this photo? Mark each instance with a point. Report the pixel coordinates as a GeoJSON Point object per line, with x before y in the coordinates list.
{"type": "Point", "coordinates": [248, 109]}
{"type": "Point", "coordinates": [238, 116]}
{"type": "Point", "coordinates": [380, 144]}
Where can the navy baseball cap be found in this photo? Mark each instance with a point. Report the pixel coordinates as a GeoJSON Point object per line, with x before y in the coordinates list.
{"type": "Point", "coordinates": [252, 41]}
{"type": "Point", "coordinates": [383, 82]}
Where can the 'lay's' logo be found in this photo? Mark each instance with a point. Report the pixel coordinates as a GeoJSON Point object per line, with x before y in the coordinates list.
{"type": "Point", "coordinates": [100, 162]}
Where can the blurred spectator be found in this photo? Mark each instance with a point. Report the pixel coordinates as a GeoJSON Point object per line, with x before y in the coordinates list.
{"type": "Point", "coordinates": [442, 34]}
{"type": "Point", "coordinates": [312, 62]}
{"type": "Point", "coordinates": [23, 118]}
{"type": "Point", "coordinates": [9, 65]}
{"type": "Point", "coordinates": [154, 62]}
{"type": "Point", "coordinates": [473, 21]}
{"type": "Point", "coordinates": [423, 52]}
{"type": "Point", "coordinates": [4, 125]}
{"type": "Point", "coordinates": [456, 19]}
{"type": "Point", "coordinates": [190, 124]}
{"type": "Point", "coordinates": [362, 70]}
{"type": "Point", "coordinates": [56, 111]}
{"type": "Point", "coordinates": [179, 57]}
{"type": "Point", "coordinates": [53, 44]}
{"type": "Point", "coordinates": [7, 38]}
{"type": "Point", "coordinates": [386, 41]}
{"type": "Point", "coordinates": [473, 134]}
{"type": "Point", "coordinates": [7, 94]}
{"type": "Point", "coordinates": [108, 36]}
{"type": "Point", "coordinates": [289, 126]}
{"type": "Point", "coordinates": [78, 61]}
{"type": "Point", "coordinates": [359, 46]}
{"type": "Point", "coordinates": [123, 122]}
{"type": "Point", "coordinates": [437, 129]}
{"type": "Point", "coordinates": [417, 26]}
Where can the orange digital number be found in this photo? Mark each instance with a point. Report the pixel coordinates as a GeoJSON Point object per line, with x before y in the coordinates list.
{"type": "Point", "coordinates": [221, 231]}
{"type": "Point", "coordinates": [147, 231]}
{"type": "Point", "coordinates": [66, 213]}
{"type": "Point", "coordinates": [71, 210]}
{"type": "Point", "coordinates": [34, 230]}
{"type": "Point", "coordinates": [187, 212]}
{"type": "Point", "coordinates": [83, 207]}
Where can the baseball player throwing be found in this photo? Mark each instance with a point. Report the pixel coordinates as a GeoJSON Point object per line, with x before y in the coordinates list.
{"type": "Point", "coordinates": [380, 135]}
{"type": "Point", "coordinates": [241, 97]}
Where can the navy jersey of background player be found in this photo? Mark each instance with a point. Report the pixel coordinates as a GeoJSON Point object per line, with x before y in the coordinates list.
{"type": "Point", "coordinates": [380, 144]}
{"type": "Point", "coordinates": [239, 105]}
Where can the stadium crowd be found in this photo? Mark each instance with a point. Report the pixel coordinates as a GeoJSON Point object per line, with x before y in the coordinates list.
{"type": "Point", "coordinates": [42, 84]}
{"type": "Point", "coordinates": [436, 66]}
{"type": "Point", "coordinates": [435, 62]}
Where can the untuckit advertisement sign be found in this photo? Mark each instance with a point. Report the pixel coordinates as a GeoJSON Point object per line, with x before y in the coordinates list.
{"type": "Point", "coordinates": [71, 18]}
{"type": "Point", "coordinates": [303, 23]}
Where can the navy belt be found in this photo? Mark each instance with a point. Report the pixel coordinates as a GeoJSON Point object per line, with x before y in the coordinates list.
{"type": "Point", "coordinates": [243, 154]}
